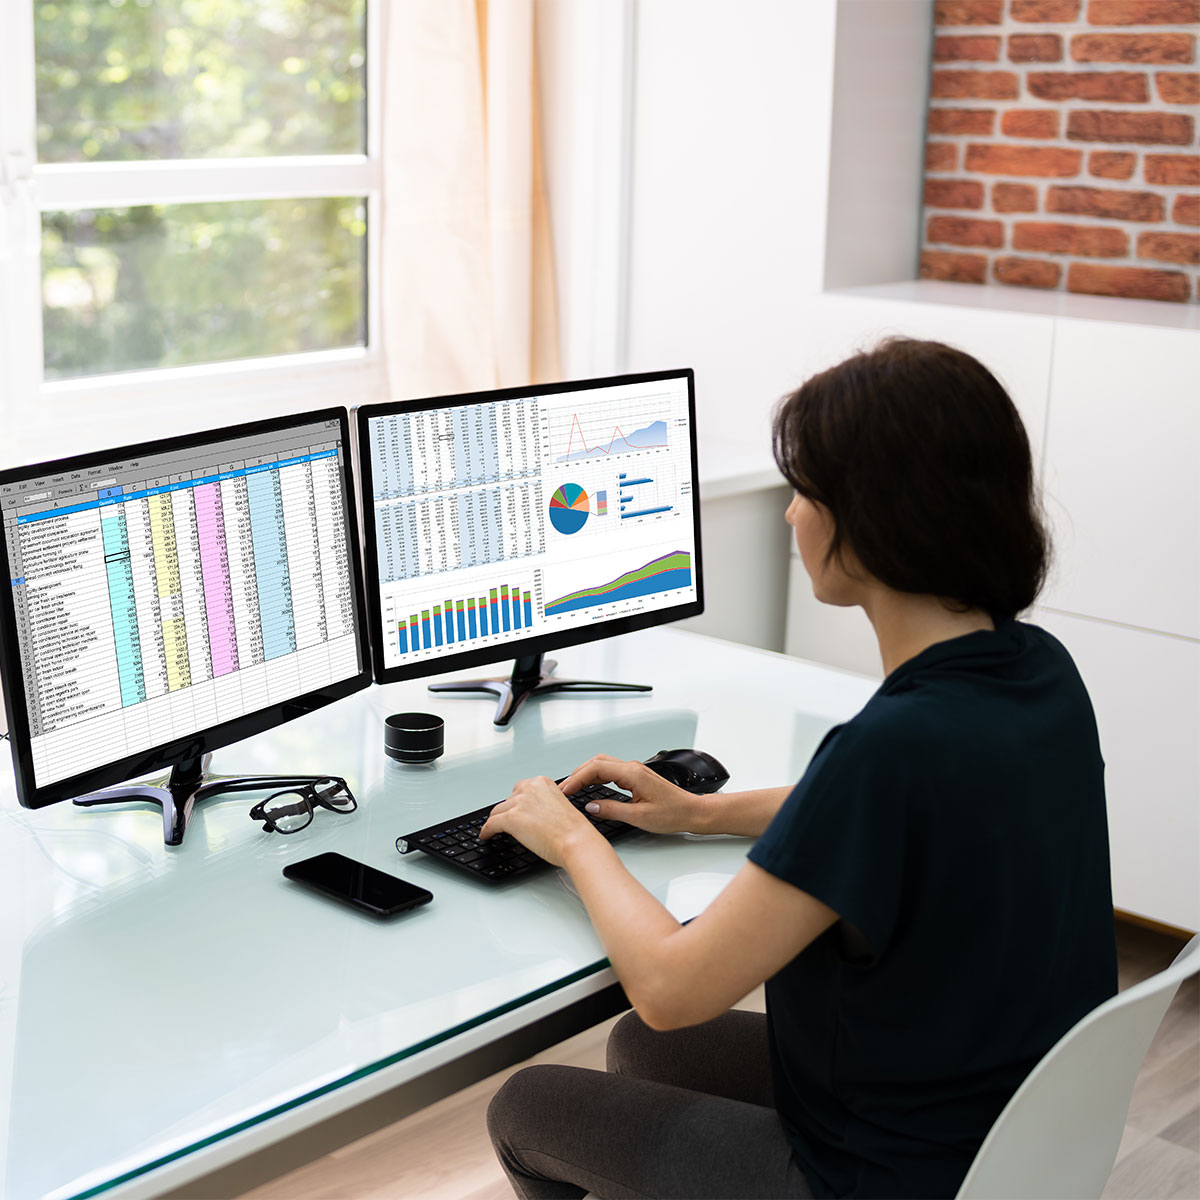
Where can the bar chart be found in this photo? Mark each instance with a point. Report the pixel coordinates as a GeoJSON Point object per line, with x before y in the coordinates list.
{"type": "Point", "coordinates": [643, 495]}
{"type": "Point", "coordinates": [458, 621]}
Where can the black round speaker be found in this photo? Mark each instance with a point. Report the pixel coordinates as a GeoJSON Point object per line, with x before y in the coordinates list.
{"type": "Point", "coordinates": [414, 737]}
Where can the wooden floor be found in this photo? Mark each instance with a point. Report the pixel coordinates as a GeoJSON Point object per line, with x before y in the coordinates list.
{"type": "Point", "coordinates": [443, 1153]}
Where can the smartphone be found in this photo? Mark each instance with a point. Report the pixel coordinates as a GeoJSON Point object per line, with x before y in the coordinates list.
{"type": "Point", "coordinates": [356, 884]}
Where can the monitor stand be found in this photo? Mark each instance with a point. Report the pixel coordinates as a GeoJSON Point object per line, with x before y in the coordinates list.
{"type": "Point", "coordinates": [178, 792]}
{"type": "Point", "coordinates": [530, 677]}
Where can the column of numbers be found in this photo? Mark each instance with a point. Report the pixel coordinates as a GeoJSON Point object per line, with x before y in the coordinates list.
{"type": "Point", "coordinates": [156, 712]}
{"type": "Point", "coordinates": [299, 516]}
{"type": "Point", "coordinates": [335, 559]}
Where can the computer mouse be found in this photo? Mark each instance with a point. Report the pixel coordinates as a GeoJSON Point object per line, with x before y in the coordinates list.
{"type": "Point", "coordinates": [692, 770]}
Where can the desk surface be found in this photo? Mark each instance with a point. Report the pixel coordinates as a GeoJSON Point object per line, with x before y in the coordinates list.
{"type": "Point", "coordinates": [163, 1011]}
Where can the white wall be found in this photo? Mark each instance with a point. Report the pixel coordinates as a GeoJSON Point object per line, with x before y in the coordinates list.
{"type": "Point", "coordinates": [732, 207]}
{"type": "Point", "coordinates": [730, 153]}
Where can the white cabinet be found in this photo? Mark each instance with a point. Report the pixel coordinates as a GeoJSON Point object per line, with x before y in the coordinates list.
{"type": "Point", "coordinates": [1145, 688]}
{"type": "Point", "coordinates": [745, 553]}
{"type": "Point", "coordinates": [838, 637]}
{"type": "Point", "coordinates": [1123, 474]}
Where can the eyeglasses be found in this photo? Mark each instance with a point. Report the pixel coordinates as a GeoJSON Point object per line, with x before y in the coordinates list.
{"type": "Point", "coordinates": [292, 809]}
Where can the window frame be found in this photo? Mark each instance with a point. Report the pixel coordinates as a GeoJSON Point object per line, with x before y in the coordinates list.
{"type": "Point", "coordinates": [47, 419]}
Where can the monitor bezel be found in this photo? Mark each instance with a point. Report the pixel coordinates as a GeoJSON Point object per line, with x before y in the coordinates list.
{"type": "Point", "coordinates": [539, 643]}
{"type": "Point", "coordinates": [167, 754]}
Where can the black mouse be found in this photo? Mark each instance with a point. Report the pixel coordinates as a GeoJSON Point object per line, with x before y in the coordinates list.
{"type": "Point", "coordinates": [692, 770]}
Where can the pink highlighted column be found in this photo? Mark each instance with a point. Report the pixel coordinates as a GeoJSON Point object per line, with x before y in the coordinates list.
{"type": "Point", "coordinates": [218, 594]}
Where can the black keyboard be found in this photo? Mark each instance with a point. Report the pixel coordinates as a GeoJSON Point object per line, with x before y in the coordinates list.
{"type": "Point", "coordinates": [457, 843]}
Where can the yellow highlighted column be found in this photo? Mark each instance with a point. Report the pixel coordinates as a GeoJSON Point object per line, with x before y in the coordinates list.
{"type": "Point", "coordinates": [170, 591]}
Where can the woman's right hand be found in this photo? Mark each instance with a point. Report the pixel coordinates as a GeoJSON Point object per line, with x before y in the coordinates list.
{"type": "Point", "coordinates": [657, 806]}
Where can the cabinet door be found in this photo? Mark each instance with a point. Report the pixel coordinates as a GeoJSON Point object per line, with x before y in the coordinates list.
{"type": "Point", "coordinates": [837, 637]}
{"type": "Point", "coordinates": [1123, 474]}
{"type": "Point", "coordinates": [1145, 688]}
{"type": "Point", "coordinates": [745, 551]}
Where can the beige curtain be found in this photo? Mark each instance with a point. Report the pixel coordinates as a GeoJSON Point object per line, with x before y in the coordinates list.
{"type": "Point", "coordinates": [468, 278]}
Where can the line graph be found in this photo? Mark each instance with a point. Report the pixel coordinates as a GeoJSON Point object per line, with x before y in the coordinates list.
{"type": "Point", "coordinates": [644, 419]}
{"type": "Point", "coordinates": [652, 436]}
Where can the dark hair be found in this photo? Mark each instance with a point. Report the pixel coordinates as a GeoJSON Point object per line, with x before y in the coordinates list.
{"type": "Point", "coordinates": [921, 458]}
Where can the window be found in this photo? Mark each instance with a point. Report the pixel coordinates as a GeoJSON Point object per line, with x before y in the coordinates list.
{"type": "Point", "coordinates": [186, 183]}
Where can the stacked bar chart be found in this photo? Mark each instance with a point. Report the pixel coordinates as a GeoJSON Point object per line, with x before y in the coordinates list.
{"type": "Point", "coordinates": [458, 621]}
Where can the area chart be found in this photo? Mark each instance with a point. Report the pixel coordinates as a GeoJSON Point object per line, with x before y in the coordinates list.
{"type": "Point", "coordinates": [649, 437]}
{"type": "Point", "coordinates": [663, 574]}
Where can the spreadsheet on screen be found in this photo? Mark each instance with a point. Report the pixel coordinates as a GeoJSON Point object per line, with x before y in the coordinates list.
{"type": "Point", "coordinates": [162, 595]}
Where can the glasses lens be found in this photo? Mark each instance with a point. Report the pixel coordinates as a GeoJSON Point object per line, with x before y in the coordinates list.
{"type": "Point", "coordinates": [287, 811]}
{"type": "Point", "coordinates": [335, 794]}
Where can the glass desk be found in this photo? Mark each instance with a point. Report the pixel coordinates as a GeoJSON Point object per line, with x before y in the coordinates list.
{"type": "Point", "coordinates": [165, 1011]}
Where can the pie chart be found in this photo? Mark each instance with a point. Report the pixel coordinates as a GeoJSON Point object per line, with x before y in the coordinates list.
{"type": "Point", "coordinates": [569, 508]}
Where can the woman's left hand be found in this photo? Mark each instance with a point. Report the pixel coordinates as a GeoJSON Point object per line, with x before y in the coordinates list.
{"type": "Point", "coordinates": [541, 818]}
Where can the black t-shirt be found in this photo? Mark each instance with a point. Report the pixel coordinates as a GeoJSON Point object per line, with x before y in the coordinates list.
{"type": "Point", "coordinates": [957, 827]}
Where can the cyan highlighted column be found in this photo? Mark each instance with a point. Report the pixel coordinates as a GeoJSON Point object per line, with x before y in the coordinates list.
{"type": "Point", "coordinates": [122, 604]}
{"type": "Point", "coordinates": [271, 563]}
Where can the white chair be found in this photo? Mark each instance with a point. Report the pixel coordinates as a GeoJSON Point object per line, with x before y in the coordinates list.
{"type": "Point", "coordinates": [1058, 1136]}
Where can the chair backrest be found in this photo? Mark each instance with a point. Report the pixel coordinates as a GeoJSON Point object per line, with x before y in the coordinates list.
{"type": "Point", "coordinates": [1058, 1135]}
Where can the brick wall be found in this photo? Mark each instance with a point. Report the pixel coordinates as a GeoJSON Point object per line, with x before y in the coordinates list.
{"type": "Point", "coordinates": [1062, 146]}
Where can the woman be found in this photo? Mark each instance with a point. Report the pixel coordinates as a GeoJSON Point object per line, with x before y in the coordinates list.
{"type": "Point", "coordinates": [929, 906]}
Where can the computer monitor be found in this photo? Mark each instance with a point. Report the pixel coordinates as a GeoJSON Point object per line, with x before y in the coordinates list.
{"type": "Point", "coordinates": [508, 523]}
{"type": "Point", "coordinates": [173, 597]}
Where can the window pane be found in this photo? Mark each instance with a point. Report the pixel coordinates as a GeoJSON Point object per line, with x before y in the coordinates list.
{"type": "Point", "coordinates": [121, 80]}
{"type": "Point", "coordinates": [172, 285]}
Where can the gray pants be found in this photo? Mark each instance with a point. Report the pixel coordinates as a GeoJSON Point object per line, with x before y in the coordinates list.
{"type": "Point", "coordinates": [687, 1113]}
